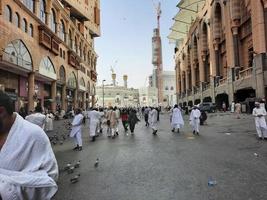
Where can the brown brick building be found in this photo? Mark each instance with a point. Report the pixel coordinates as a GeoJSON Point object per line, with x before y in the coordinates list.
{"type": "Point", "coordinates": [47, 52]}
{"type": "Point", "coordinates": [221, 50]}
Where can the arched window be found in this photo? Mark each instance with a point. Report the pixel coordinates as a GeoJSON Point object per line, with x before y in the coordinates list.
{"type": "Point", "coordinates": [171, 87]}
{"type": "Point", "coordinates": [166, 88]}
{"type": "Point", "coordinates": [62, 74]}
{"type": "Point", "coordinates": [70, 39]}
{"type": "Point", "coordinates": [80, 50]}
{"type": "Point", "coordinates": [18, 53]}
{"type": "Point", "coordinates": [29, 4]}
{"type": "Point", "coordinates": [31, 30]}
{"type": "Point", "coordinates": [84, 54]}
{"type": "Point", "coordinates": [76, 45]}
{"type": "Point", "coordinates": [24, 25]}
{"type": "Point", "coordinates": [62, 31]}
{"type": "Point", "coordinates": [16, 19]}
{"type": "Point", "coordinates": [42, 10]}
{"type": "Point", "coordinates": [53, 23]}
{"type": "Point", "coordinates": [47, 68]}
{"type": "Point", "coordinates": [8, 13]}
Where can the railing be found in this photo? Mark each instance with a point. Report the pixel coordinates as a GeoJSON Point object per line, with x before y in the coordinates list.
{"type": "Point", "coordinates": [16, 60]}
{"type": "Point", "coordinates": [222, 81]}
{"type": "Point", "coordinates": [245, 73]}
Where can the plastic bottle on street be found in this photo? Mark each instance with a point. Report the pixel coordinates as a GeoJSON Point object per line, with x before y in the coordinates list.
{"type": "Point", "coordinates": [212, 182]}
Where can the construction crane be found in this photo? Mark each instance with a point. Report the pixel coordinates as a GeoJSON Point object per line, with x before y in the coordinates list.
{"type": "Point", "coordinates": [158, 11]}
{"type": "Point", "coordinates": [112, 66]}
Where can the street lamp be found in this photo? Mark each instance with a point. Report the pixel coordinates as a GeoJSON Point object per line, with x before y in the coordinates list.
{"type": "Point", "coordinates": [103, 92]}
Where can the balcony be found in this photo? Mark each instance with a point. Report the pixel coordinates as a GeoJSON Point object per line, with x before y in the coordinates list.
{"type": "Point", "coordinates": [245, 73]}
{"type": "Point", "coordinates": [73, 59]}
{"type": "Point", "coordinates": [93, 75]}
{"type": "Point", "coordinates": [48, 39]}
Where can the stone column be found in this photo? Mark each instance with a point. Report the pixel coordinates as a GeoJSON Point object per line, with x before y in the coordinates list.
{"type": "Point", "coordinates": [257, 19]}
{"type": "Point", "coordinates": [83, 100]}
{"type": "Point", "coordinates": [236, 47]}
{"type": "Point", "coordinates": [64, 97]}
{"type": "Point", "coordinates": [31, 91]}
{"type": "Point", "coordinates": [182, 82]}
{"type": "Point", "coordinates": [217, 58]}
{"type": "Point", "coordinates": [37, 8]}
{"type": "Point", "coordinates": [53, 95]}
{"type": "Point", "coordinates": [75, 99]}
{"type": "Point", "coordinates": [93, 101]}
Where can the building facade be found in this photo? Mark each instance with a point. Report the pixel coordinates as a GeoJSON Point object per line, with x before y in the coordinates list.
{"type": "Point", "coordinates": [116, 95]}
{"type": "Point", "coordinates": [169, 88]}
{"type": "Point", "coordinates": [221, 50]}
{"type": "Point", "coordinates": [47, 54]}
{"type": "Point", "coordinates": [148, 96]}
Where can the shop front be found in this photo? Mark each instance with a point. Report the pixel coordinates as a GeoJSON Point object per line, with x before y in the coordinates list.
{"type": "Point", "coordinates": [71, 92]}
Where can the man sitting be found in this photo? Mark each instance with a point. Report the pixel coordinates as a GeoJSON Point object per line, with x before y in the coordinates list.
{"type": "Point", "coordinates": [28, 168]}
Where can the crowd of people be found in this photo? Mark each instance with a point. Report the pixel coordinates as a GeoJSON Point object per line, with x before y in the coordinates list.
{"type": "Point", "coordinates": [28, 167]}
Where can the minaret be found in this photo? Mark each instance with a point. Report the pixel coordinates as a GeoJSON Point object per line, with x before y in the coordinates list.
{"type": "Point", "coordinates": [125, 78]}
{"type": "Point", "coordinates": [113, 75]}
{"type": "Point", "coordinates": [157, 56]}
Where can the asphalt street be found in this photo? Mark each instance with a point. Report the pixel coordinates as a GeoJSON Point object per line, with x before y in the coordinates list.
{"type": "Point", "coordinates": [169, 166]}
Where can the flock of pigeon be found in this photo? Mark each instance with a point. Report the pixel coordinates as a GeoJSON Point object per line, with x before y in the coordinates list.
{"type": "Point", "coordinates": [69, 168]}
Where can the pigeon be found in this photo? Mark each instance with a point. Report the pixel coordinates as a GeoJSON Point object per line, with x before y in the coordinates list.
{"type": "Point", "coordinates": [75, 179]}
{"type": "Point", "coordinates": [77, 165]}
{"type": "Point", "coordinates": [60, 142]}
{"type": "Point", "coordinates": [67, 166]}
{"type": "Point", "coordinates": [96, 163]}
{"type": "Point", "coordinates": [54, 142]}
{"type": "Point", "coordinates": [70, 170]}
{"type": "Point", "coordinates": [63, 137]}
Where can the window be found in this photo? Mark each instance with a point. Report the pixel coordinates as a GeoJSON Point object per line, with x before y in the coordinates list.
{"type": "Point", "coordinates": [8, 13]}
{"type": "Point", "coordinates": [171, 87]}
{"type": "Point", "coordinates": [60, 52]}
{"type": "Point", "coordinates": [42, 10]}
{"type": "Point", "coordinates": [31, 30]}
{"type": "Point", "coordinates": [29, 4]}
{"type": "Point", "coordinates": [166, 88]}
{"type": "Point", "coordinates": [70, 40]}
{"type": "Point", "coordinates": [76, 45]}
{"type": "Point", "coordinates": [53, 23]}
{"type": "Point", "coordinates": [62, 31]}
{"type": "Point", "coordinates": [84, 55]}
{"type": "Point", "coordinates": [24, 25]}
{"type": "Point", "coordinates": [63, 54]}
{"type": "Point", "coordinates": [16, 19]}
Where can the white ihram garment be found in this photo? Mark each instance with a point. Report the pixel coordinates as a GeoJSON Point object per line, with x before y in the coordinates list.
{"type": "Point", "coordinates": [28, 168]}
{"type": "Point", "coordinates": [177, 118]}
{"type": "Point", "coordinates": [153, 119]}
{"type": "Point", "coordinates": [194, 119]}
{"type": "Point", "coordinates": [49, 122]}
{"type": "Point", "coordinates": [260, 122]}
{"type": "Point", "coordinates": [94, 117]}
{"type": "Point", "coordinates": [37, 118]}
{"type": "Point", "coordinates": [76, 130]}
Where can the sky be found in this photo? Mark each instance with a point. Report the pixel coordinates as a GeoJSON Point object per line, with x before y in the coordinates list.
{"type": "Point", "coordinates": [126, 39]}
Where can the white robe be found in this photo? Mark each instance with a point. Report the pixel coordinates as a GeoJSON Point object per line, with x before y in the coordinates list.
{"type": "Point", "coordinates": [194, 119]}
{"type": "Point", "coordinates": [153, 119]}
{"type": "Point", "coordinates": [76, 129]}
{"type": "Point", "coordinates": [260, 122]}
{"type": "Point", "coordinates": [37, 118]}
{"type": "Point", "coordinates": [49, 122]}
{"type": "Point", "coordinates": [94, 117]}
{"type": "Point", "coordinates": [28, 168]}
{"type": "Point", "coordinates": [233, 107]}
{"type": "Point", "coordinates": [177, 118]}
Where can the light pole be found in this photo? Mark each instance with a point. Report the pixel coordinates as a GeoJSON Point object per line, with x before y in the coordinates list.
{"type": "Point", "coordinates": [103, 92]}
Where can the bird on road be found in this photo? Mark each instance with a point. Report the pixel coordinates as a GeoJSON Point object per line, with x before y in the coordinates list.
{"type": "Point", "coordinates": [75, 179]}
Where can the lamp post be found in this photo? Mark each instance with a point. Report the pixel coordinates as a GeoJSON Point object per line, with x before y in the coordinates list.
{"type": "Point", "coordinates": [103, 92]}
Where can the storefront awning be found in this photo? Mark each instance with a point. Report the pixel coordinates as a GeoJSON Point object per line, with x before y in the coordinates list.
{"type": "Point", "coordinates": [186, 15]}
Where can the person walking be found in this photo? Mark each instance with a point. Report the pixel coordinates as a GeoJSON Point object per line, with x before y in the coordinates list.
{"type": "Point", "coordinates": [194, 119]}
{"type": "Point", "coordinates": [37, 117]}
{"type": "Point", "coordinates": [224, 106]}
{"type": "Point", "coordinates": [238, 110]}
{"type": "Point", "coordinates": [153, 120]}
{"type": "Point", "coordinates": [111, 122]}
{"type": "Point", "coordinates": [259, 113]}
{"type": "Point", "coordinates": [133, 120]}
{"type": "Point", "coordinates": [49, 121]}
{"type": "Point", "coordinates": [233, 107]}
{"type": "Point", "coordinates": [94, 117]}
{"type": "Point", "coordinates": [76, 129]}
{"type": "Point", "coordinates": [124, 119]}
{"type": "Point", "coordinates": [146, 115]}
{"type": "Point", "coordinates": [176, 119]}
{"type": "Point", "coordinates": [117, 112]}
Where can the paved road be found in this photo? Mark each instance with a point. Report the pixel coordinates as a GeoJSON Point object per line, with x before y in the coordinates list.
{"type": "Point", "coordinates": [170, 166]}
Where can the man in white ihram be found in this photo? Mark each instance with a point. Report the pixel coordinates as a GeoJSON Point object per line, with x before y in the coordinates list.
{"type": "Point", "coordinates": [177, 119]}
{"type": "Point", "coordinates": [28, 168]}
{"type": "Point", "coordinates": [76, 129]}
{"type": "Point", "coordinates": [194, 119]}
{"type": "Point", "coordinates": [94, 117]}
{"type": "Point", "coordinates": [153, 120]}
{"type": "Point", "coordinates": [259, 113]}
{"type": "Point", "coordinates": [37, 117]}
